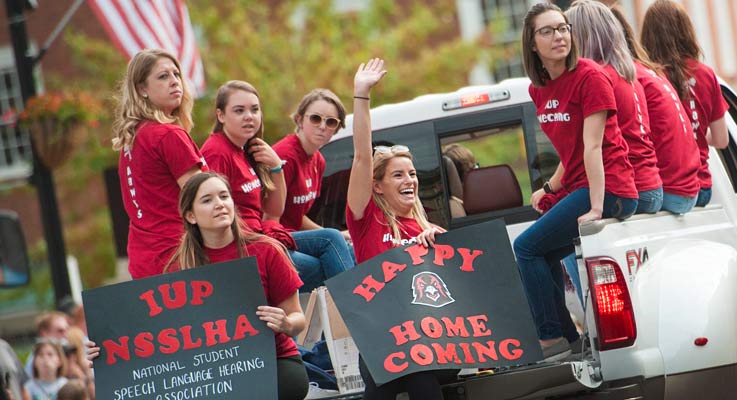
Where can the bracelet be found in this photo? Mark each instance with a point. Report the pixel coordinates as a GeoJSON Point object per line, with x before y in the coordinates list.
{"type": "Point", "coordinates": [362, 97]}
{"type": "Point", "coordinates": [278, 168]}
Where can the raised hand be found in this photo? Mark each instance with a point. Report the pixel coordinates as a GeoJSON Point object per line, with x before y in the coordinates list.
{"type": "Point", "coordinates": [367, 76]}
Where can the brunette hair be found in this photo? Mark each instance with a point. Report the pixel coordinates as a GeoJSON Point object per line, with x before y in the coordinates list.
{"type": "Point", "coordinates": [221, 103]}
{"type": "Point", "coordinates": [636, 50]}
{"type": "Point", "coordinates": [74, 389]}
{"type": "Point", "coordinates": [533, 65]}
{"type": "Point", "coordinates": [603, 40]}
{"type": "Point", "coordinates": [462, 158]}
{"type": "Point", "coordinates": [133, 109]}
{"type": "Point", "coordinates": [381, 161]}
{"type": "Point", "coordinates": [669, 37]}
{"type": "Point", "coordinates": [62, 370]}
{"type": "Point", "coordinates": [315, 95]}
{"type": "Point", "coordinates": [191, 250]}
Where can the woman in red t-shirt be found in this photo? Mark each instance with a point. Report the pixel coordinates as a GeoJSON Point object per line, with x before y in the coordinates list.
{"type": "Point", "coordinates": [603, 41]}
{"type": "Point", "coordinates": [576, 110]}
{"type": "Point", "coordinates": [384, 211]}
{"type": "Point", "coordinates": [213, 234]}
{"type": "Point", "coordinates": [670, 39]}
{"type": "Point", "coordinates": [670, 128]}
{"type": "Point", "coordinates": [157, 156]}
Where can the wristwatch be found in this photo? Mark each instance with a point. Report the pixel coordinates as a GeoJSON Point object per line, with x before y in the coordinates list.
{"type": "Point", "coordinates": [547, 188]}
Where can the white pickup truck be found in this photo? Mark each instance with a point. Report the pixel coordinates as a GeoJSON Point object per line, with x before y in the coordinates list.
{"type": "Point", "coordinates": [659, 291]}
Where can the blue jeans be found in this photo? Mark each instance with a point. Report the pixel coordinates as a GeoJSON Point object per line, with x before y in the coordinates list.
{"type": "Point", "coordinates": [321, 254]}
{"type": "Point", "coordinates": [678, 204]}
{"type": "Point", "coordinates": [541, 247]}
{"type": "Point", "coordinates": [704, 197]}
{"type": "Point", "coordinates": [650, 201]}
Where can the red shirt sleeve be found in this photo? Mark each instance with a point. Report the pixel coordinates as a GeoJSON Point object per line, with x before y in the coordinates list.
{"type": "Point", "coordinates": [598, 94]}
{"type": "Point", "coordinates": [179, 151]}
{"type": "Point", "coordinates": [282, 280]}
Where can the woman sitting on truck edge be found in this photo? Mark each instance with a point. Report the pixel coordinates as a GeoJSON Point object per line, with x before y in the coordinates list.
{"type": "Point", "coordinates": [604, 42]}
{"type": "Point", "coordinates": [384, 211]}
{"type": "Point", "coordinates": [670, 40]}
{"type": "Point", "coordinates": [214, 233]}
{"type": "Point", "coordinates": [670, 128]}
{"type": "Point", "coordinates": [576, 109]}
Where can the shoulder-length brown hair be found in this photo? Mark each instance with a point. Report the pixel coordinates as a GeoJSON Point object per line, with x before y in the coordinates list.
{"type": "Point", "coordinates": [533, 65]}
{"type": "Point", "coordinates": [132, 108]}
{"type": "Point", "coordinates": [669, 37]}
{"type": "Point", "coordinates": [636, 50]}
{"type": "Point", "coordinates": [221, 102]}
{"type": "Point", "coordinates": [191, 250]}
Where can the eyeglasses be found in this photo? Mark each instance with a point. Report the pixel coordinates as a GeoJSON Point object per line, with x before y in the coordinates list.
{"type": "Point", "coordinates": [397, 148]}
{"type": "Point", "coordinates": [316, 119]}
{"type": "Point", "coordinates": [547, 31]}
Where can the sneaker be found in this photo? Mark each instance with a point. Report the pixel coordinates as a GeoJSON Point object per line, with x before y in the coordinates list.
{"type": "Point", "coordinates": [556, 351]}
{"type": "Point", "coordinates": [580, 346]}
{"type": "Point", "coordinates": [316, 392]}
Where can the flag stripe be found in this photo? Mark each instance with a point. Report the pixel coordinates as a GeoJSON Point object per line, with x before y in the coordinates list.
{"type": "Point", "coordinates": [134, 25]}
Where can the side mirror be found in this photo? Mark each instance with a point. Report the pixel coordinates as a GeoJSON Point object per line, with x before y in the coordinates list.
{"type": "Point", "coordinates": [14, 268]}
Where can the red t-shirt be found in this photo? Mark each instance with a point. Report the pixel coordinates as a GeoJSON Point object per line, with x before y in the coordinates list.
{"type": "Point", "coordinates": [562, 105]}
{"type": "Point", "coordinates": [705, 106]}
{"type": "Point", "coordinates": [161, 154]}
{"type": "Point", "coordinates": [633, 121]}
{"type": "Point", "coordinates": [278, 278]}
{"type": "Point", "coordinates": [227, 159]}
{"type": "Point", "coordinates": [372, 234]}
{"type": "Point", "coordinates": [303, 174]}
{"type": "Point", "coordinates": [671, 133]}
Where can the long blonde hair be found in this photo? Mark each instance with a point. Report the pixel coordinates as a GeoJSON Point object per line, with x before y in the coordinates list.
{"type": "Point", "coordinates": [381, 161]}
{"type": "Point", "coordinates": [221, 102]}
{"type": "Point", "coordinates": [133, 109]}
{"type": "Point", "coordinates": [191, 250]}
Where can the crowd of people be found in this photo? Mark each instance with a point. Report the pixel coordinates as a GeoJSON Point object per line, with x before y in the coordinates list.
{"type": "Point", "coordinates": [631, 121]}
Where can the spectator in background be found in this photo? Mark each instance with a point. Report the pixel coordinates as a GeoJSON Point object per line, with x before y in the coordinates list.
{"type": "Point", "coordinates": [49, 367]}
{"type": "Point", "coordinates": [73, 390]}
{"type": "Point", "coordinates": [462, 158]}
{"type": "Point", "coordinates": [670, 40]}
{"type": "Point", "coordinates": [12, 375]}
{"type": "Point", "coordinates": [157, 156]}
{"type": "Point", "coordinates": [74, 312]}
{"type": "Point", "coordinates": [50, 325]}
{"type": "Point", "coordinates": [77, 365]}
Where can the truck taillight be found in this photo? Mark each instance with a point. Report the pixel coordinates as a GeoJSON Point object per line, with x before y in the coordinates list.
{"type": "Point", "coordinates": [615, 319]}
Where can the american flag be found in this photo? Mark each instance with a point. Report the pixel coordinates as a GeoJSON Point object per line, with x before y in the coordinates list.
{"type": "Point", "coordinates": [134, 25]}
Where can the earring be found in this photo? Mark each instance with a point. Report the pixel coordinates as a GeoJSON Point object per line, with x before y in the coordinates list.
{"type": "Point", "coordinates": [145, 95]}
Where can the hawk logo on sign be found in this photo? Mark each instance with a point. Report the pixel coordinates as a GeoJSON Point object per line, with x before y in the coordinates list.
{"type": "Point", "coordinates": [428, 289]}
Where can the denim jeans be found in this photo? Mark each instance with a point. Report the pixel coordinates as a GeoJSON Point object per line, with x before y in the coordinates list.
{"type": "Point", "coordinates": [678, 204]}
{"type": "Point", "coordinates": [541, 247]}
{"type": "Point", "coordinates": [650, 201]}
{"type": "Point", "coordinates": [321, 254]}
{"type": "Point", "coordinates": [704, 197]}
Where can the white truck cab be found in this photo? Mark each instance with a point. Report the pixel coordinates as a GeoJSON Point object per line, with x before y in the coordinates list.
{"type": "Point", "coordinates": [659, 291]}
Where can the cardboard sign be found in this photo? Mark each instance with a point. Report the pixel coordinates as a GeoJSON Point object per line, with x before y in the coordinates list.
{"type": "Point", "coordinates": [323, 318]}
{"type": "Point", "coordinates": [183, 335]}
{"type": "Point", "coordinates": [458, 305]}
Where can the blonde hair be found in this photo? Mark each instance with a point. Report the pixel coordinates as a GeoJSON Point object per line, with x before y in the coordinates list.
{"type": "Point", "coordinates": [381, 161]}
{"type": "Point", "coordinates": [191, 250]}
{"type": "Point", "coordinates": [133, 109]}
{"type": "Point", "coordinates": [221, 102]}
{"type": "Point", "coordinates": [603, 39]}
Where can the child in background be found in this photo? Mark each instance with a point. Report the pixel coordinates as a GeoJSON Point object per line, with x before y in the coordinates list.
{"type": "Point", "coordinates": [49, 367]}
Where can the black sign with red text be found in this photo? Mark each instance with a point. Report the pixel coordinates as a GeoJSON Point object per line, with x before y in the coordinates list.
{"type": "Point", "coordinates": [183, 335]}
{"type": "Point", "coordinates": [458, 305]}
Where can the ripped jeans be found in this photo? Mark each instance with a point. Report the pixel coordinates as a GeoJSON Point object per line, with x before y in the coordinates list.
{"type": "Point", "coordinates": [552, 236]}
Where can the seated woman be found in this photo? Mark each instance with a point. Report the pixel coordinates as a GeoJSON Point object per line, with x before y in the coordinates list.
{"type": "Point", "coordinates": [384, 211]}
{"type": "Point", "coordinates": [212, 234]}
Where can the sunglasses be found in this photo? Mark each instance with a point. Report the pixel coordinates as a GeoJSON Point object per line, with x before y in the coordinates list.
{"type": "Point", "coordinates": [316, 119]}
{"type": "Point", "coordinates": [397, 148]}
